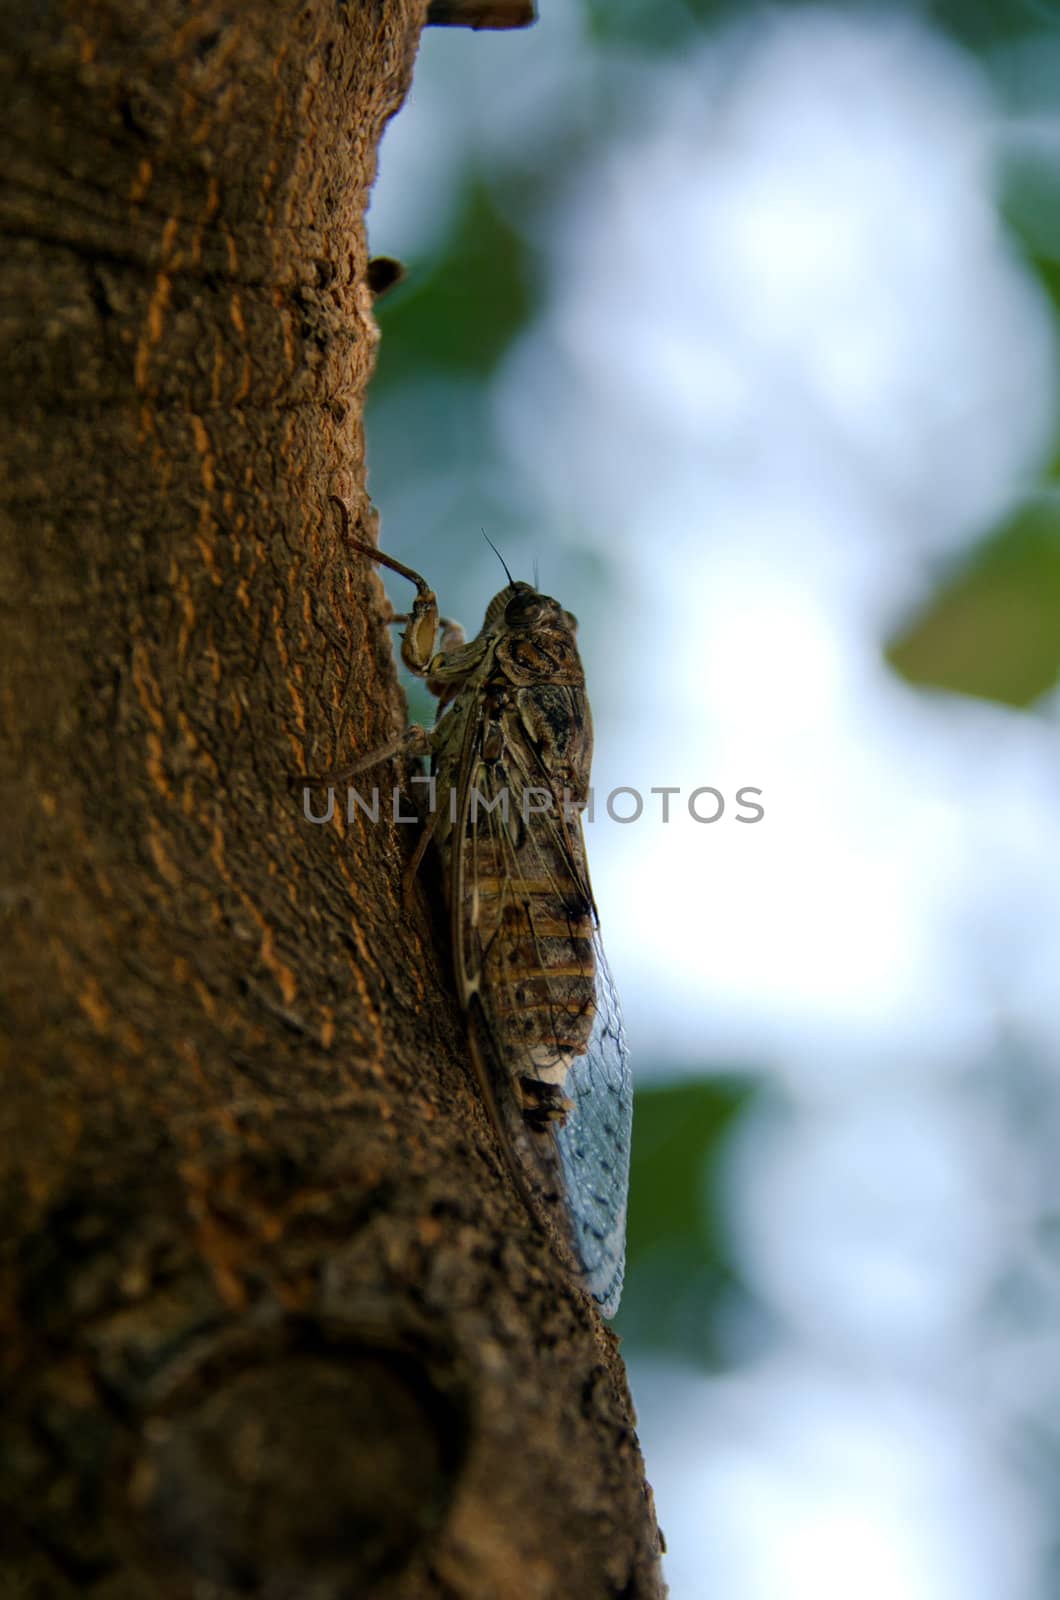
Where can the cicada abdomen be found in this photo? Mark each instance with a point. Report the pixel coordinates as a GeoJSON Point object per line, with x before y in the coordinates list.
{"type": "Point", "coordinates": [539, 972]}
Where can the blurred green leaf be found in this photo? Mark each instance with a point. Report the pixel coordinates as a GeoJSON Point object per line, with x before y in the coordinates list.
{"type": "Point", "coordinates": [980, 24]}
{"type": "Point", "coordinates": [1049, 273]}
{"type": "Point", "coordinates": [680, 1269]}
{"type": "Point", "coordinates": [994, 631]}
{"type": "Point", "coordinates": [678, 1129]}
{"type": "Point", "coordinates": [1030, 204]}
{"type": "Point", "coordinates": [459, 313]}
{"type": "Point", "coordinates": [664, 26]}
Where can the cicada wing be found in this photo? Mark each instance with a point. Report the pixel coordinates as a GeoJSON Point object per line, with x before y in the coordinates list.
{"type": "Point", "coordinates": [528, 948]}
{"type": "Point", "coordinates": [594, 1146]}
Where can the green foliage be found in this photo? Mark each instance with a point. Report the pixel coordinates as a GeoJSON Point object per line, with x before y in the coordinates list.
{"type": "Point", "coordinates": [680, 1266]}
{"type": "Point", "coordinates": [1049, 276]}
{"type": "Point", "coordinates": [1031, 207]}
{"type": "Point", "coordinates": [459, 312]}
{"type": "Point", "coordinates": [664, 26]}
{"type": "Point", "coordinates": [981, 24]}
{"type": "Point", "coordinates": [994, 630]}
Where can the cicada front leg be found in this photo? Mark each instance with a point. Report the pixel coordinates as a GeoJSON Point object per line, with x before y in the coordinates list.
{"type": "Point", "coordinates": [417, 652]}
{"type": "Point", "coordinates": [421, 633]}
{"type": "Point", "coordinates": [445, 668]}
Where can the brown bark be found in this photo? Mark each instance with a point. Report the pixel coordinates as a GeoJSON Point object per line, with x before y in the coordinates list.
{"type": "Point", "coordinates": [274, 1318]}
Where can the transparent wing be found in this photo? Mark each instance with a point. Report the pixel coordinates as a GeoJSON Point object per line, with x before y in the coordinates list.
{"type": "Point", "coordinates": [594, 1146]}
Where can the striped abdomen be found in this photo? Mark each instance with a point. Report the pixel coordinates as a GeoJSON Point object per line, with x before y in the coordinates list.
{"type": "Point", "coordinates": [534, 928]}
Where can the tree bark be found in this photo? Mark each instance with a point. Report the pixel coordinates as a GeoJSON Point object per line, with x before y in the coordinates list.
{"type": "Point", "coordinates": [275, 1319]}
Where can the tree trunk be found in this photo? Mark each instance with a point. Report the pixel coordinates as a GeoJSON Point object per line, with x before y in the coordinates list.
{"type": "Point", "coordinates": [275, 1320]}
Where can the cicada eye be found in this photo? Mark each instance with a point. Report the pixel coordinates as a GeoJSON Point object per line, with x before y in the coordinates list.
{"type": "Point", "coordinates": [571, 620]}
{"type": "Point", "coordinates": [524, 611]}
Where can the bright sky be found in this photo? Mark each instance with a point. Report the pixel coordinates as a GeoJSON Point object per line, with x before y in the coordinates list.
{"type": "Point", "coordinates": [788, 361]}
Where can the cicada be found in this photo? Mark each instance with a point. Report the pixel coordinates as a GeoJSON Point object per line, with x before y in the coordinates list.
{"type": "Point", "coordinates": [510, 755]}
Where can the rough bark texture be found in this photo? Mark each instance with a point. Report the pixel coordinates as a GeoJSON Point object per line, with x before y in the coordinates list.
{"type": "Point", "coordinates": [274, 1319]}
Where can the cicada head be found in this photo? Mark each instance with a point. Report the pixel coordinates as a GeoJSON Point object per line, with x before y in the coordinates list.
{"type": "Point", "coordinates": [494, 619]}
{"type": "Point", "coordinates": [520, 608]}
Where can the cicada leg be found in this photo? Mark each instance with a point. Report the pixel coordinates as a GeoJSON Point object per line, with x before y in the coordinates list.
{"type": "Point", "coordinates": [408, 877]}
{"type": "Point", "coordinates": [417, 642]}
{"type": "Point", "coordinates": [414, 742]}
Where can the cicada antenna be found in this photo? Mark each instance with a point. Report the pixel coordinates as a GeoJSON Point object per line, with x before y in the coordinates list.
{"type": "Point", "coordinates": [500, 558]}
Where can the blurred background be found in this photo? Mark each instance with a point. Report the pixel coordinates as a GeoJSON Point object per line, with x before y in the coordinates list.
{"type": "Point", "coordinates": [743, 326]}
